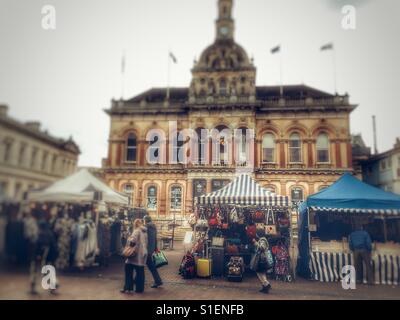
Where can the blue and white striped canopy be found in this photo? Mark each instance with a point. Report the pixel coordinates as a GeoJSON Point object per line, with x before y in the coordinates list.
{"type": "Point", "coordinates": [244, 191]}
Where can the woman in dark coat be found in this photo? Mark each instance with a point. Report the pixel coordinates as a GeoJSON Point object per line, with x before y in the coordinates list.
{"type": "Point", "coordinates": [151, 248]}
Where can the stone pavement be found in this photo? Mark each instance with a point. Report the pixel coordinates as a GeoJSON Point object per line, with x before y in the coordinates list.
{"type": "Point", "coordinates": [104, 283]}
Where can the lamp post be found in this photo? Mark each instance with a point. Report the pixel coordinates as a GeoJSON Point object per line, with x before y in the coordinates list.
{"type": "Point", "coordinates": [173, 223]}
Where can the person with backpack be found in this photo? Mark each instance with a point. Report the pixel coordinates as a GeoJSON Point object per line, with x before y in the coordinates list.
{"type": "Point", "coordinates": [261, 262]}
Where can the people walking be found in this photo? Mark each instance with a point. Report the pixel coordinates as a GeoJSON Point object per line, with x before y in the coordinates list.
{"type": "Point", "coordinates": [136, 262]}
{"type": "Point", "coordinates": [151, 248]}
{"type": "Point", "coordinates": [260, 264]}
{"type": "Point", "coordinates": [361, 245]}
{"type": "Point", "coordinates": [42, 241]}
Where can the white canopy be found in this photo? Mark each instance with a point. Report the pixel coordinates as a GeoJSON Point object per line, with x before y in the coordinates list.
{"type": "Point", "coordinates": [78, 187]}
{"type": "Point", "coordinates": [244, 190]}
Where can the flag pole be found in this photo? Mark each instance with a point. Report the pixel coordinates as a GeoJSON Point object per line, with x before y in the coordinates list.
{"type": "Point", "coordinates": [281, 72]}
{"type": "Point", "coordinates": [334, 69]}
{"type": "Point", "coordinates": [168, 76]}
{"type": "Point", "coordinates": [123, 75]}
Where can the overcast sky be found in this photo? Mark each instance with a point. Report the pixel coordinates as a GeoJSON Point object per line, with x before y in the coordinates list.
{"type": "Point", "coordinates": [66, 77]}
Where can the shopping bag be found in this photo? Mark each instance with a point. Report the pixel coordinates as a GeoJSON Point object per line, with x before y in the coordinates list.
{"type": "Point", "coordinates": [159, 259]}
{"type": "Point", "coordinates": [217, 242]}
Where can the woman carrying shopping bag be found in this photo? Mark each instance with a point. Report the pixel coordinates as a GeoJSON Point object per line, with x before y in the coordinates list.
{"type": "Point", "coordinates": [135, 253]}
{"type": "Point", "coordinates": [152, 249]}
{"type": "Point", "coordinates": [261, 262]}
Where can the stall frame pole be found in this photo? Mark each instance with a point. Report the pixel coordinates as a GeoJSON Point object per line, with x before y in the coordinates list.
{"type": "Point", "coordinates": [308, 231]}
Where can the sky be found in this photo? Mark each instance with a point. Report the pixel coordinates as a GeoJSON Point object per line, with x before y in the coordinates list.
{"type": "Point", "coordinates": [66, 77]}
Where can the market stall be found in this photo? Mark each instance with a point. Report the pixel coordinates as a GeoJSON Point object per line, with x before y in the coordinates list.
{"type": "Point", "coordinates": [80, 187]}
{"type": "Point", "coordinates": [328, 218]}
{"type": "Point", "coordinates": [85, 216]}
{"type": "Point", "coordinates": [228, 220]}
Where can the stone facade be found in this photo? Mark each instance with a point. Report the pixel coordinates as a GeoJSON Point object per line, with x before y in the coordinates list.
{"type": "Point", "coordinates": [31, 158]}
{"type": "Point", "coordinates": [383, 170]}
{"type": "Point", "coordinates": [300, 140]}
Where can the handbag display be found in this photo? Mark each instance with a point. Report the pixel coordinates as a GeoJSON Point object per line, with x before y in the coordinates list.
{"type": "Point", "coordinates": [202, 224]}
{"type": "Point", "coordinates": [258, 216]}
{"type": "Point", "coordinates": [232, 249]}
{"type": "Point", "coordinates": [217, 240]}
{"type": "Point", "coordinates": [159, 259]}
{"type": "Point", "coordinates": [251, 231]}
{"type": "Point", "coordinates": [270, 229]}
{"type": "Point", "coordinates": [260, 230]}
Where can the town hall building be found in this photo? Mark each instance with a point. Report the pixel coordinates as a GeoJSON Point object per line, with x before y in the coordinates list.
{"type": "Point", "coordinates": [299, 141]}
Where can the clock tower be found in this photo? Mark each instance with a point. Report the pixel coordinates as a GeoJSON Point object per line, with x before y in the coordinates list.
{"type": "Point", "coordinates": [224, 71]}
{"type": "Point", "coordinates": [225, 23]}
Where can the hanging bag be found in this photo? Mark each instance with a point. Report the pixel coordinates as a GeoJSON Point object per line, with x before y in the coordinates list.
{"type": "Point", "coordinates": [218, 240]}
{"type": "Point", "coordinates": [259, 216]}
{"type": "Point", "coordinates": [270, 229]}
{"type": "Point", "coordinates": [251, 231]}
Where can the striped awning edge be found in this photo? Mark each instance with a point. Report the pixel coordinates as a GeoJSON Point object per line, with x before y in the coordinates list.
{"type": "Point", "coordinates": [354, 210]}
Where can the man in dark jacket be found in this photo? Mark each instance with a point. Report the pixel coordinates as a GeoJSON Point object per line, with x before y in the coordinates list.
{"type": "Point", "coordinates": [151, 248]}
{"type": "Point", "coordinates": [361, 245]}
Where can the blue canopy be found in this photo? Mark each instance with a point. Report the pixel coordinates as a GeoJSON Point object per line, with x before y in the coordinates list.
{"type": "Point", "coordinates": [347, 195]}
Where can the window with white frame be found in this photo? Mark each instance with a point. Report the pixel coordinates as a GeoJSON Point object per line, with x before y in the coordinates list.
{"type": "Point", "coordinates": [268, 148]}
{"type": "Point", "coordinates": [297, 194]}
{"type": "Point", "coordinates": [295, 148]}
{"type": "Point", "coordinates": [152, 198]}
{"type": "Point", "coordinates": [323, 148]}
{"type": "Point", "coordinates": [176, 198]}
{"type": "Point", "coordinates": [131, 148]}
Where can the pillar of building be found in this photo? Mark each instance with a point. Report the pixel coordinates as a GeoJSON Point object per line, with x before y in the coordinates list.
{"type": "Point", "coordinates": [189, 196]}
{"type": "Point", "coordinates": [338, 154]}
{"type": "Point", "coordinates": [162, 208]}
{"type": "Point", "coordinates": [209, 186]}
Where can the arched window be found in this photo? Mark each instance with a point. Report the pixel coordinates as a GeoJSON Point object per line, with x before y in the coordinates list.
{"type": "Point", "coordinates": [297, 194]}
{"type": "Point", "coordinates": [295, 148]}
{"type": "Point", "coordinates": [323, 148]}
{"type": "Point", "coordinates": [127, 188]}
{"type": "Point", "coordinates": [152, 198]}
{"type": "Point", "coordinates": [268, 148]}
{"type": "Point", "coordinates": [220, 150]}
{"type": "Point", "coordinates": [270, 188]}
{"type": "Point", "coordinates": [176, 198]}
{"type": "Point", "coordinates": [131, 148]}
{"type": "Point", "coordinates": [154, 150]}
{"type": "Point", "coordinates": [242, 147]}
{"type": "Point", "coordinates": [178, 142]}
{"type": "Point", "coordinates": [321, 188]}
{"type": "Point", "coordinates": [201, 145]}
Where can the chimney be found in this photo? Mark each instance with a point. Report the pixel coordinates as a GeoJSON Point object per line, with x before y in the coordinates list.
{"type": "Point", "coordinates": [3, 110]}
{"type": "Point", "coordinates": [374, 131]}
{"type": "Point", "coordinates": [33, 125]}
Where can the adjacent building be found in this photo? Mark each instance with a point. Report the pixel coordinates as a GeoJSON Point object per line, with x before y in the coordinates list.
{"type": "Point", "coordinates": [299, 141]}
{"type": "Point", "coordinates": [383, 170]}
{"type": "Point", "coordinates": [31, 158]}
